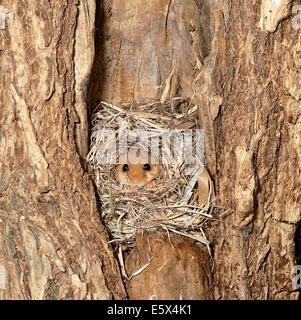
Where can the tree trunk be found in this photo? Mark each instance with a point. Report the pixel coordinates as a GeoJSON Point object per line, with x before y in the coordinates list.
{"type": "Point", "coordinates": [239, 61]}
{"type": "Point", "coordinates": [53, 245]}
{"type": "Point", "coordinates": [257, 138]}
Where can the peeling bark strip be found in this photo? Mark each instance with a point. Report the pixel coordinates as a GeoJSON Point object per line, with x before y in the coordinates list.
{"type": "Point", "coordinates": [33, 149]}
{"type": "Point", "coordinates": [83, 61]}
{"type": "Point", "coordinates": [52, 244]}
{"type": "Point", "coordinates": [272, 12]}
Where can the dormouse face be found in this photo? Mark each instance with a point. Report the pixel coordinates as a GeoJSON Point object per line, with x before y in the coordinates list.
{"type": "Point", "coordinates": [138, 170]}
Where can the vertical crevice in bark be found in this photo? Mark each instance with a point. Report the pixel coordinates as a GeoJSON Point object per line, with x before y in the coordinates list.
{"type": "Point", "coordinates": [98, 70]}
{"type": "Point", "coordinates": [149, 52]}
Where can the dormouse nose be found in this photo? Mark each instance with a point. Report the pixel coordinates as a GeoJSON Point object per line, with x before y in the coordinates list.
{"type": "Point", "coordinates": [137, 180]}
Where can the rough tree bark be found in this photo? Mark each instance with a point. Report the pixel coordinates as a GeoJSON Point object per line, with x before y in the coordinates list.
{"type": "Point", "coordinates": [258, 151]}
{"type": "Point", "coordinates": [52, 243]}
{"type": "Point", "coordinates": [240, 60]}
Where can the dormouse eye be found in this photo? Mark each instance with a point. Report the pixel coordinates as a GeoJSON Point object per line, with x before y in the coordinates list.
{"type": "Point", "coordinates": [146, 167]}
{"type": "Point", "coordinates": [125, 168]}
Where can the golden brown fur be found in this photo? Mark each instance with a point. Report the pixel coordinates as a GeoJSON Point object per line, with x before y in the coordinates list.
{"type": "Point", "coordinates": [136, 175]}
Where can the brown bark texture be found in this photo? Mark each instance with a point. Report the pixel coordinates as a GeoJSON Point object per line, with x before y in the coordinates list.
{"type": "Point", "coordinates": [53, 245]}
{"type": "Point", "coordinates": [258, 152]}
{"type": "Point", "coordinates": [177, 269]}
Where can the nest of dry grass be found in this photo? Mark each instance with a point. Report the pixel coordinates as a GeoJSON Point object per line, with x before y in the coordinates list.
{"type": "Point", "coordinates": [172, 204]}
